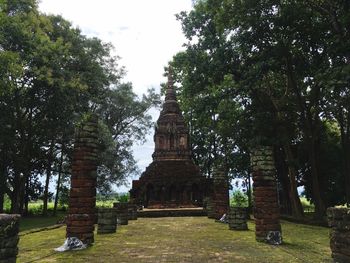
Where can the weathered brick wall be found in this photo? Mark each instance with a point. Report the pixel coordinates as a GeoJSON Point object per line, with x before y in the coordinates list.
{"type": "Point", "coordinates": [9, 226]}
{"type": "Point", "coordinates": [82, 198]}
{"type": "Point", "coordinates": [266, 210]}
{"type": "Point", "coordinates": [339, 221]}
{"type": "Point", "coordinates": [237, 218]}
{"type": "Point", "coordinates": [220, 199]}
{"type": "Point", "coordinates": [107, 221]}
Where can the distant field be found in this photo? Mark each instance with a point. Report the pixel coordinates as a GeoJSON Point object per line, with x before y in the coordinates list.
{"type": "Point", "coordinates": [182, 239]}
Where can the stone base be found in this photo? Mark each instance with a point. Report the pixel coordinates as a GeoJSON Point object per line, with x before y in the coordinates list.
{"type": "Point", "coordinates": [176, 212]}
{"type": "Point", "coordinates": [340, 258]}
{"type": "Point", "coordinates": [339, 221]}
{"type": "Point", "coordinates": [170, 184]}
{"type": "Point", "coordinates": [132, 212]}
{"type": "Point", "coordinates": [9, 227]}
{"type": "Point", "coordinates": [122, 212]}
{"type": "Point", "coordinates": [237, 218]}
{"type": "Point", "coordinates": [107, 221]}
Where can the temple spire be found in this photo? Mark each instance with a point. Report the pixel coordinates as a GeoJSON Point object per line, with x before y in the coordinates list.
{"type": "Point", "coordinates": [170, 92]}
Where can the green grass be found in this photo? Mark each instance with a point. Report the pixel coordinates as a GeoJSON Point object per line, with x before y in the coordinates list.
{"type": "Point", "coordinates": [108, 203]}
{"type": "Point", "coordinates": [182, 239]}
{"type": "Point", "coordinates": [34, 222]}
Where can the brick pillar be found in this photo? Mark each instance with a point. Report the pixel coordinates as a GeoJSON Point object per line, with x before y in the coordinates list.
{"type": "Point", "coordinates": [9, 226]}
{"type": "Point", "coordinates": [82, 198]}
{"type": "Point", "coordinates": [220, 200]}
{"type": "Point", "coordinates": [266, 210]}
{"type": "Point", "coordinates": [339, 221]}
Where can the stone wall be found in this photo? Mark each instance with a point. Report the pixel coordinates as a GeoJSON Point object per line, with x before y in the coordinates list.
{"type": "Point", "coordinates": [122, 212]}
{"type": "Point", "coordinates": [132, 211]}
{"type": "Point", "coordinates": [266, 210]}
{"type": "Point", "coordinates": [209, 207]}
{"type": "Point", "coordinates": [82, 199]}
{"type": "Point", "coordinates": [339, 221]}
{"type": "Point", "coordinates": [220, 199]}
{"type": "Point", "coordinates": [107, 221]}
{"type": "Point", "coordinates": [9, 226]}
{"type": "Point", "coordinates": [237, 218]}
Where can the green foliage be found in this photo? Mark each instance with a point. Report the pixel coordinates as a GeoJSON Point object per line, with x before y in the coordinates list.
{"type": "Point", "coordinates": [256, 73]}
{"type": "Point", "coordinates": [107, 200]}
{"type": "Point", "coordinates": [7, 204]}
{"type": "Point", "coordinates": [239, 199]}
{"type": "Point", "coordinates": [124, 197]}
{"type": "Point", "coordinates": [51, 78]}
{"type": "Point", "coordinates": [123, 121]}
{"type": "Point", "coordinates": [307, 206]}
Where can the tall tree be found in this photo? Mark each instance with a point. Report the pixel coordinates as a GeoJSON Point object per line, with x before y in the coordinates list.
{"type": "Point", "coordinates": [51, 75]}
{"type": "Point", "coordinates": [279, 61]}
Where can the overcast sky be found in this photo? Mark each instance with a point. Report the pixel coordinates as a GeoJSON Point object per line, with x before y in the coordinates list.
{"type": "Point", "coordinates": [145, 35]}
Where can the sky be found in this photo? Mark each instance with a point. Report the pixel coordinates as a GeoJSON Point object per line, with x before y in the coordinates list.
{"type": "Point", "coordinates": [145, 35]}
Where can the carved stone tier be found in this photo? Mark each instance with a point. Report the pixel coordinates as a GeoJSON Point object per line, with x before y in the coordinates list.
{"type": "Point", "coordinates": [170, 184]}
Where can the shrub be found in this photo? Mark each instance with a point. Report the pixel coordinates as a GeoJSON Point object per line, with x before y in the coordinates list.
{"type": "Point", "coordinates": [239, 199]}
{"type": "Point", "coordinates": [123, 197]}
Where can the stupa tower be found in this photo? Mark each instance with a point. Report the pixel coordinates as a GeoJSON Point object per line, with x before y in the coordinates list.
{"type": "Point", "coordinates": [171, 136]}
{"type": "Point", "coordinates": [172, 179]}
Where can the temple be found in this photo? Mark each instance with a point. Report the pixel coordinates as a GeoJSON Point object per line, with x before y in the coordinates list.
{"type": "Point", "coordinates": [172, 180]}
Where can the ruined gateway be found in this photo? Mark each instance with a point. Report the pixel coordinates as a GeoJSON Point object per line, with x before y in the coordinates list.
{"type": "Point", "coordinates": [172, 180]}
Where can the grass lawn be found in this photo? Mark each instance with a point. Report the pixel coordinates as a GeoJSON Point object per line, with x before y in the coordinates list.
{"type": "Point", "coordinates": [34, 222]}
{"type": "Point", "coordinates": [181, 239]}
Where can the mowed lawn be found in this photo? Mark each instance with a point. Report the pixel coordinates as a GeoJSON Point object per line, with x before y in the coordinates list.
{"type": "Point", "coordinates": [181, 239]}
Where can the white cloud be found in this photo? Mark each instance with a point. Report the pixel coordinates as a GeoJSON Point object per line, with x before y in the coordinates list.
{"type": "Point", "coordinates": [145, 35]}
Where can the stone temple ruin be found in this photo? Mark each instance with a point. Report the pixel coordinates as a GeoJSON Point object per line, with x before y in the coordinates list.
{"type": "Point", "coordinates": [172, 180]}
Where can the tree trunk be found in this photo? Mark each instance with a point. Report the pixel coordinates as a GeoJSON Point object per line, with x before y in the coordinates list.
{"type": "Point", "coordinates": [3, 177]}
{"type": "Point", "coordinates": [297, 208]}
{"type": "Point", "coordinates": [294, 200]}
{"type": "Point", "coordinates": [347, 176]}
{"type": "Point", "coordinates": [345, 145]}
{"type": "Point", "coordinates": [320, 208]}
{"type": "Point", "coordinates": [18, 194]}
{"type": "Point", "coordinates": [283, 180]}
{"type": "Point", "coordinates": [26, 197]}
{"type": "Point", "coordinates": [48, 176]}
{"type": "Point", "coordinates": [58, 183]}
{"type": "Point", "coordinates": [308, 120]}
{"type": "Point", "coordinates": [249, 193]}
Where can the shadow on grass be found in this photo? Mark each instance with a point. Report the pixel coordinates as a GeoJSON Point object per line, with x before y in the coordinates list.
{"type": "Point", "coordinates": [35, 222]}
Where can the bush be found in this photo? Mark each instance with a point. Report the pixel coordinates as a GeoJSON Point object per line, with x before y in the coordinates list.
{"type": "Point", "coordinates": [7, 204]}
{"type": "Point", "coordinates": [123, 197]}
{"type": "Point", "coordinates": [239, 199]}
{"type": "Point", "coordinates": [307, 206]}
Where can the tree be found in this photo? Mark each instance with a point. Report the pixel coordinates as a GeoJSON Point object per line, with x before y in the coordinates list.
{"type": "Point", "coordinates": [278, 62]}
{"type": "Point", "coordinates": [124, 120]}
{"type": "Point", "coordinates": [51, 75]}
